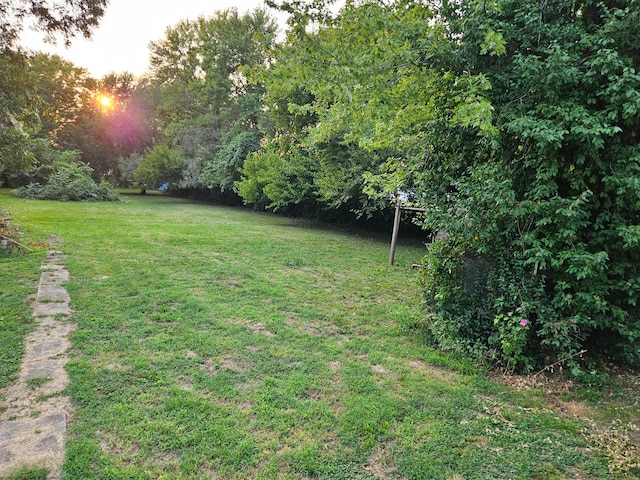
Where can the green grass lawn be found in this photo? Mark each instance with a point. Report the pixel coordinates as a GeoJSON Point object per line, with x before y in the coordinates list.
{"type": "Point", "coordinates": [218, 343]}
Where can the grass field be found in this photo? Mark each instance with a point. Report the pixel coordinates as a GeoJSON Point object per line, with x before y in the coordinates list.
{"type": "Point", "coordinates": [219, 343]}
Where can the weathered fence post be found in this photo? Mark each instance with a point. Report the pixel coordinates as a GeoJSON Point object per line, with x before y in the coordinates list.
{"type": "Point", "coordinates": [394, 235]}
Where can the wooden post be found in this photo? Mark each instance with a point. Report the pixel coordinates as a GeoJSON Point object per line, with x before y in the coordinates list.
{"type": "Point", "coordinates": [394, 235]}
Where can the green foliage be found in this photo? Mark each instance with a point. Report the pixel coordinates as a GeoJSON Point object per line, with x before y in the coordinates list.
{"type": "Point", "coordinates": [18, 117]}
{"type": "Point", "coordinates": [67, 180]}
{"type": "Point", "coordinates": [63, 99]}
{"type": "Point", "coordinates": [160, 165]}
{"type": "Point", "coordinates": [551, 203]}
{"type": "Point", "coordinates": [223, 169]}
{"type": "Point", "coordinates": [64, 93]}
{"type": "Point", "coordinates": [40, 93]}
{"type": "Point", "coordinates": [29, 474]}
{"type": "Point", "coordinates": [273, 180]}
{"type": "Point", "coordinates": [514, 124]}
{"type": "Point", "coordinates": [209, 110]}
{"type": "Point", "coordinates": [65, 17]}
{"type": "Point", "coordinates": [361, 97]}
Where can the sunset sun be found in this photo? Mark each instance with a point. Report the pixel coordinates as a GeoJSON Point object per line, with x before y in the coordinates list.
{"type": "Point", "coordinates": [106, 102]}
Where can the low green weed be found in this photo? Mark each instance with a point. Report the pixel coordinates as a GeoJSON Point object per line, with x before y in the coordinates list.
{"type": "Point", "coordinates": [29, 474]}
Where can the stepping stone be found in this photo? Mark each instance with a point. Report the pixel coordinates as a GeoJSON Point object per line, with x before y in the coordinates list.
{"type": "Point", "coordinates": [52, 293]}
{"type": "Point", "coordinates": [46, 348]}
{"type": "Point", "coordinates": [34, 420]}
{"type": "Point", "coordinates": [54, 277]}
{"type": "Point", "coordinates": [51, 309]}
{"type": "Point", "coordinates": [33, 442]}
{"type": "Point", "coordinates": [52, 369]}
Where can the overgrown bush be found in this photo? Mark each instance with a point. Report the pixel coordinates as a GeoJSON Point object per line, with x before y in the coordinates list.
{"type": "Point", "coordinates": [9, 234]}
{"type": "Point", "coordinates": [222, 170]}
{"type": "Point", "coordinates": [488, 306]}
{"type": "Point", "coordinates": [549, 204]}
{"type": "Point", "coordinates": [160, 165]}
{"type": "Point", "coordinates": [68, 181]}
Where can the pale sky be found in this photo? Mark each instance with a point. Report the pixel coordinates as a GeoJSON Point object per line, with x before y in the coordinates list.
{"type": "Point", "coordinates": [120, 43]}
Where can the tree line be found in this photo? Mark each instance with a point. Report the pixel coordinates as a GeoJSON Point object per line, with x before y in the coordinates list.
{"type": "Point", "coordinates": [513, 123]}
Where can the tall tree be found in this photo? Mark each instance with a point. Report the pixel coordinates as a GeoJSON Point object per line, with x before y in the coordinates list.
{"type": "Point", "coordinates": [19, 100]}
{"type": "Point", "coordinates": [210, 113]}
{"type": "Point", "coordinates": [19, 121]}
{"type": "Point", "coordinates": [370, 83]}
{"type": "Point", "coordinates": [64, 90]}
{"type": "Point", "coordinates": [52, 17]}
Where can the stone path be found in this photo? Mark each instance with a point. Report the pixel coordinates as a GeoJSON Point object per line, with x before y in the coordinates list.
{"type": "Point", "coordinates": [34, 422]}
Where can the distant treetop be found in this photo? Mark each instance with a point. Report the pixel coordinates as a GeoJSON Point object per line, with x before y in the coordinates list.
{"type": "Point", "coordinates": [52, 17]}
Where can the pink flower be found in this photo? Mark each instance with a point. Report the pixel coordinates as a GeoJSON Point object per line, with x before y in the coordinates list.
{"type": "Point", "coordinates": [524, 322]}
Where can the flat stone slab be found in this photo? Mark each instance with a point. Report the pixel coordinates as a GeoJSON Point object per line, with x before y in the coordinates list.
{"type": "Point", "coordinates": [40, 369]}
{"type": "Point", "coordinates": [52, 326]}
{"type": "Point", "coordinates": [54, 267]}
{"type": "Point", "coordinates": [33, 422]}
{"type": "Point", "coordinates": [55, 256]}
{"type": "Point", "coordinates": [51, 309]}
{"type": "Point", "coordinates": [47, 347]}
{"type": "Point", "coordinates": [42, 438]}
{"type": "Point", "coordinates": [52, 293]}
{"type": "Point", "coordinates": [54, 276]}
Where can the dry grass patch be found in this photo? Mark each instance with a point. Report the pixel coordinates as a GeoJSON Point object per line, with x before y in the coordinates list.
{"type": "Point", "coordinates": [380, 462]}
{"type": "Point", "coordinates": [114, 445]}
{"type": "Point", "coordinates": [334, 365]}
{"type": "Point", "coordinates": [616, 438]}
{"type": "Point", "coordinates": [224, 363]}
{"type": "Point", "coordinates": [256, 327]}
{"type": "Point", "coordinates": [615, 441]}
{"type": "Point", "coordinates": [164, 459]}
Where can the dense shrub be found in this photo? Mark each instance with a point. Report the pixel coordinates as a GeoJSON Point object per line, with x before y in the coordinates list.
{"type": "Point", "coordinates": [221, 171]}
{"type": "Point", "coordinates": [161, 165]}
{"type": "Point", "coordinates": [70, 182]}
{"type": "Point", "coordinates": [9, 234]}
{"type": "Point", "coordinates": [551, 202]}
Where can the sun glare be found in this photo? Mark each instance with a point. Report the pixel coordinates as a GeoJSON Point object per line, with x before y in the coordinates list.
{"type": "Point", "coordinates": [105, 101]}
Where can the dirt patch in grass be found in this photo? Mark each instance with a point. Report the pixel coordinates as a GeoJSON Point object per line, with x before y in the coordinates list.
{"type": "Point", "coordinates": [164, 458]}
{"type": "Point", "coordinates": [334, 365]}
{"type": "Point", "coordinates": [380, 462]}
{"type": "Point", "coordinates": [113, 445]}
{"type": "Point", "coordinates": [233, 283]}
{"type": "Point", "coordinates": [224, 363]}
{"type": "Point", "coordinates": [314, 329]}
{"type": "Point", "coordinates": [256, 327]}
{"type": "Point", "coordinates": [433, 372]}
{"type": "Point", "coordinates": [185, 384]}
{"type": "Point", "coordinates": [117, 367]}
{"type": "Point", "coordinates": [208, 470]}
{"type": "Point", "coordinates": [228, 363]}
